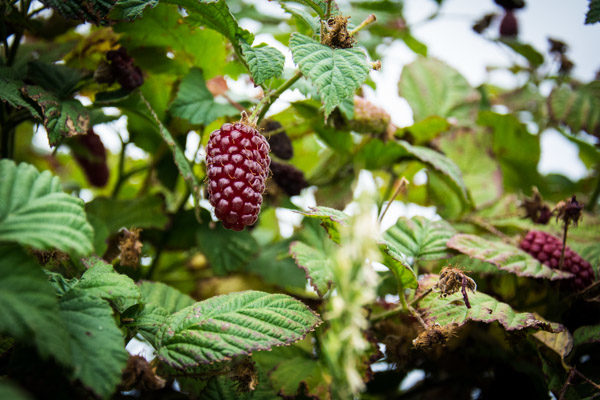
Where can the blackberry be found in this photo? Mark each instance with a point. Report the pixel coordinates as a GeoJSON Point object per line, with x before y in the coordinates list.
{"type": "Point", "coordinates": [288, 178]}
{"type": "Point", "coordinates": [547, 250]}
{"type": "Point", "coordinates": [280, 143]}
{"type": "Point", "coordinates": [90, 154]}
{"type": "Point", "coordinates": [509, 27]}
{"type": "Point", "coordinates": [123, 70]}
{"type": "Point", "coordinates": [238, 165]}
{"type": "Point", "coordinates": [510, 4]}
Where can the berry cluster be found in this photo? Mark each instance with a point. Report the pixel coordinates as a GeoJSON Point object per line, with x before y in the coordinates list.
{"type": "Point", "coordinates": [238, 165]}
{"type": "Point", "coordinates": [547, 250]}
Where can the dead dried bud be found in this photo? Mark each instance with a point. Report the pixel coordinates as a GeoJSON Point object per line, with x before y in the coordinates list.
{"type": "Point", "coordinates": [484, 22]}
{"type": "Point", "coordinates": [452, 280]}
{"type": "Point", "coordinates": [243, 373]}
{"type": "Point", "coordinates": [130, 247]}
{"type": "Point", "coordinates": [376, 65]}
{"type": "Point", "coordinates": [435, 335]}
{"type": "Point", "coordinates": [569, 211]}
{"type": "Point", "coordinates": [535, 208]}
{"type": "Point", "coordinates": [557, 46]}
{"type": "Point", "coordinates": [337, 35]}
{"type": "Point", "coordinates": [50, 257]}
{"type": "Point", "coordinates": [138, 374]}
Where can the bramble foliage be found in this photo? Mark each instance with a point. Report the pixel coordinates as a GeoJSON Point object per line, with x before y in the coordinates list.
{"type": "Point", "coordinates": [335, 308]}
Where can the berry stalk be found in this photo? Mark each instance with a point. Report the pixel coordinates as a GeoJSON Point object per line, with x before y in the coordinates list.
{"type": "Point", "coordinates": [261, 109]}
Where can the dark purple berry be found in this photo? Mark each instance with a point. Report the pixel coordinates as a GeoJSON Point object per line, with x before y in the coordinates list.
{"type": "Point", "coordinates": [123, 69]}
{"type": "Point", "coordinates": [238, 165]}
{"type": "Point", "coordinates": [288, 178]}
{"type": "Point", "coordinates": [280, 143]}
{"type": "Point", "coordinates": [90, 154]}
{"type": "Point", "coordinates": [547, 250]}
{"type": "Point", "coordinates": [509, 27]}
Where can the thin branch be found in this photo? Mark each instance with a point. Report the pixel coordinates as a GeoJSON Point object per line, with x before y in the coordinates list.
{"type": "Point", "coordinates": [368, 21]}
{"type": "Point", "coordinates": [261, 109]}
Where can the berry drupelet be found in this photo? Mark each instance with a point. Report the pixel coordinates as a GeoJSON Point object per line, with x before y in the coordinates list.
{"type": "Point", "coordinates": [238, 165]}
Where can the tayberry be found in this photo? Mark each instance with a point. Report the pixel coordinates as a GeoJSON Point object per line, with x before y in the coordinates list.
{"type": "Point", "coordinates": [238, 165]}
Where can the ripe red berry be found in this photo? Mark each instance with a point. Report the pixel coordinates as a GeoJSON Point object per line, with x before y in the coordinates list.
{"type": "Point", "coordinates": [238, 165]}
{"type": "Point", "coordinates": [547, 250]}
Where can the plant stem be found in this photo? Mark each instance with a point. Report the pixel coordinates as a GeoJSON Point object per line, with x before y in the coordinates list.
{"type": "Point", "coordinates": [368, 21]}
{"type": "Point", "coordinates": [261, 109]}
{"type": "Point", "coordinates": [121, 168]}
{"type": "Point", "coordinates": [401, 185]}
{"type": "Point", "coordinates": [564, 245]}
{"type": "Point", "coordinates": [328, 11]}
{"type": "Point", "coordinates": [594, 197]}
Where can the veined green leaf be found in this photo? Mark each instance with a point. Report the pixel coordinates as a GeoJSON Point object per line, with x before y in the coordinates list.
{"type": "Point", "coordinates": [444, 166]}
{"type": "Point", "coordinates": [432, 87]}
{"type": "Point", "coordinates": [593, 14]}
{"type": "Point", "coordinates": [215, 15]}
{"type": "Point", "coordinates": [320, 6]}
{"type": "Point", "coordinates": [586, 334]}
{"type": "Point", "coordinates": [560, 342]}
{"type": "Point", "coordinates": [10, 91]}
{"type": "Point", "coordinates": [86, 10]}
{"type": "Point", "coordinates": [316, 264]}
{"type": "Point", "coordinates": [101, 280]}
{"type": "Point", "coordinates": [234, 324]}
{"type": "Point", "coordinates": [96, 342]}
{"type": "Point", "coordinates": [195, 103]}
{"type": "Point", "coordinates": [265, 62]}
{"type": "Point", "coordinates": [159, 302]}
{"type": "Point", "coordinates": [131, 9]}
{"type": "Point", "coordinates": [35, 212]}
{"type": "Point", "coordinates": [28, 306]}
{"type": "Point", "coordinates": [61, 118]}
{"type": "Point", "coordinates": [336, 73]}
{"type": "Point", "coordinates": [505, 257]}
{"type": "Point", "coordinates": [141, 212]}
{"type": "Point", "coordinates": [484, 308]}
{"type": "Point", "coordinates": [534, 57]}
{"type": "Point", "coordinates": [419, 238]}
{"type": "Point", "coordinates": [577, 108]}
{"type": "Point", "coordinates": [397, 263]}
{"type": "Point", "coordinates": [330, 218]}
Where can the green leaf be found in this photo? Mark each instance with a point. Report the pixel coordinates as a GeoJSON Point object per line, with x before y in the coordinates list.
{"type": "Point", "coordinates": [101, 280]}
{"type": "Point", "coordinates": [586, 334]}
{"type": "Point", "coordinates": [215, 15]}
{"type": "Point", "coordinates": [160, 301]}
{"type": "Point", "coordinates": [131, 9]}
{"type": "Point", "coordinates": [419, 238]}
{"type": "Point", "coordinates": [431, 87]}
{"type": "Point", "coordinates": [336, 73]}
{"type": "Point", "coordinates": [471, 151]}
{"type": "Point", "coordinates": [331, 219]}
{"type": "Point", "coordinates": [275, 266]}
{"type": "Point", "coordinates": [400, 267]}
{"type": "Point", "coordinates": [234, 324]}
{"type": "Point", "coordinates": [226, 250]}
{"type": "Point", "coordinates": [444, 166]}
{"type": "Point", "coordinates": [86, 10]}
{"type": "Point", "coordinates": [55, 78]}
{"type": "Point", "coordinates": [484, 308]}
{"type": "Point", "coordinates": [265, 62]}
{"type": "Point", "coordinates": [376, 154]}
{"type": "Point", "coordinates": [196, 104]}
{"type": "Point", "coordinates": [534, 57]}
{"type": "Point", "coordinates": [505, 256]}
{"type": "Point", "coordinates": [61, 118]}
{"type": "Point", "coordinates": [141, 212]}
{"type": "Point", "coordinates": [10, 92]}
{"type": "Point", "coordinates": [426, 129]}
{"type": "Point", "coordinates": [305, 22]}
{"type": "Point", "coordinates": [593, 14]}
{"type": "Point", "coordinates": [578, 108]}
{"type": "Point", "coordinates": [8, 390]}
{"type": "Point", "coordinates": [320, 6]}
{"type": "Point", "coordinates": [28, 306]}
{"type": "Point", "coordinates": [316, 264]}
{"type": "Point", "coordinates": [97, 344]}
{"type": "Point", "coordinates": [35, 212]}
{"type": "Point", "coordinates": [515, 148]}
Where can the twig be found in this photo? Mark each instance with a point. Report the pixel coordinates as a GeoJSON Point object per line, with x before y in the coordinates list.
{"type": "Point", "coordinates": [563, 390]}
{"type": "Point", "coordinates": [420, 297]}
{"type": "Point", "coordinates": [564, 245]}
{"type": "Point", "coordinates": [261, 109]}
{"type": "Point", "coordinates": [588, 380]}
{"type": "Point", "coordinates": [368, 21]}
{"type": "Point", "coordinates": [400, 186]}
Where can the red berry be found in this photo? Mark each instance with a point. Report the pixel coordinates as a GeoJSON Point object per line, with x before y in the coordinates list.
{"type": "Point", "coordinates": [238, 165]}
{"type": "Point", "coordinates": [547, 250]}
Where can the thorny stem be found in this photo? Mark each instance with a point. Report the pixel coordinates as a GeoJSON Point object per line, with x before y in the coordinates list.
{"type": "Point", "coordinates": [328, 10]}
{"type": "Point", "coordinates": [369, 20]}
{"type": "Point", "coordinates": [261, 109]}
{"type": "Point", "coordinates": [415, 314]}
{"type": "Point", "coordinates": [421, 296]}
{"type": "Point", "coordinates": [400, 186]}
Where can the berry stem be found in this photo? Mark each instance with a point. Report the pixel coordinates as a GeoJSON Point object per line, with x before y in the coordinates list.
{"type": "Point", "coordinates": [564, 245]}
{"type": "Point", "coordinates": [261, 109]}
{"type": "Point", "coordinates": [368, 21]}
{"type": "Point", "coordinates": [594, 197]}
{"type": "Point", "coordinates": [400, 186]}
